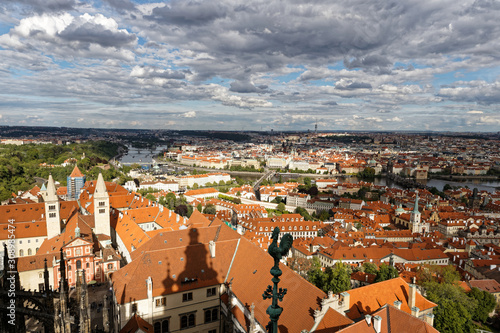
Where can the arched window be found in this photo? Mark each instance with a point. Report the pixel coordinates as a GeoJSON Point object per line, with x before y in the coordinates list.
{"type": "Point", "coordinates": [78, 264]}
{"type": "Point", "coordinates": [165, 326]}
{"type": "Point", "coordinates": [29, 252]}
{"type": "Point", "coordinates": [21, 253]}
{"type": "Point", "coordinates": [157, 327]}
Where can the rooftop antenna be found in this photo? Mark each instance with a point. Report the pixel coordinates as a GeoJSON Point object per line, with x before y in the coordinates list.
{"type": "Point", "coordinates": [316, 127]}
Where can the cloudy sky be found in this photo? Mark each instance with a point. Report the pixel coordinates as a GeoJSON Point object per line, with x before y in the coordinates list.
{"type": "Point", "coordinates": [251, 64]}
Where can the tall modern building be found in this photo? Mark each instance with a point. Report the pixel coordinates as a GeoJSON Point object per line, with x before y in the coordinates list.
{"type": "Point", "coordinates": [75, 182]}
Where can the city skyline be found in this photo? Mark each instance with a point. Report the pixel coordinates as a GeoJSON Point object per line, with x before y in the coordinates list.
{"type": "Point", "coordinates": [251, 65]}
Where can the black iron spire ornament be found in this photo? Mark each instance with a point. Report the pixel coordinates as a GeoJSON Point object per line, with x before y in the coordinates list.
{"type": "Point", "coordinates": [274, 310]}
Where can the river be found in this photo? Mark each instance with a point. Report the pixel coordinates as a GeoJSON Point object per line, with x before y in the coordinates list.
{"type": "Point", "coordinates": [144, 156]}
{"type": "Point", "coordinates": [141, 155]}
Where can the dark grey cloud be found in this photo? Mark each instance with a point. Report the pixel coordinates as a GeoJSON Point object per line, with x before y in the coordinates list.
{"type": "Point", "coordinates": [353, 86]}
{"type": "Point", "coordinates": [479, 92]}
{"type": "Point", "coordinates": [189, 13]}
{"type": "Point", "coordinates": [122, 6]}
{"type": "Point", "coordinates": [45, 6]}
{"type": "Point", "coordinates": [247, 87]}
{"type": "Point", "coordinates": [91, 33]}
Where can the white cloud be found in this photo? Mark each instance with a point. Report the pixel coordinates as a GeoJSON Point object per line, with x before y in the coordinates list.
{"type": "Point", "coordinates": [190, 114]}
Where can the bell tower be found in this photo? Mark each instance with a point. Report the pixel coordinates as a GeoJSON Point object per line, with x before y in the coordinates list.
{"type": "Point", "coordinates": [52, 209]}
{"type": "Point", "coordinates": [101, 208]}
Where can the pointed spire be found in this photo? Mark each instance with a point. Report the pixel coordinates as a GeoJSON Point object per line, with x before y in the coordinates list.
{"type": "Point", "coordinates": [415, 209]}
{"type": "Point", "coordinates": [62, 269]}
{"type": "Point", "coordinates": [100, 188]}
{"type": "Point", "coordinates": [44, 188]}
{"type": "Point", "coordinates": [51, 194]}
{"type": "Point", "coordinates": [46, 277]}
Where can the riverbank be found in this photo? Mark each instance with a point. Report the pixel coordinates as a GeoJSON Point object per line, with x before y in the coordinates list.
{"type": "Point", "coordinates": [462, 177]}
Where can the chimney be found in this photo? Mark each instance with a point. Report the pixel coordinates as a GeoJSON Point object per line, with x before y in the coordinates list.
{"type": "Point", "coordinates": [377, 324]}
{"type": "Point", "coordinates": [412, 295]}
{"type": "Point", "coordinates": [368, 319]}
{"type": "Point", "coordinates": [149, 283]}
{"type": "Point", "coordinates": [211, 247]}
{"type": "Point", "coordinates": [415, 311]}
{"type": "Point", "coordinates": [397, 304]}
{"type": "Point", "coordinates": [429, 319]}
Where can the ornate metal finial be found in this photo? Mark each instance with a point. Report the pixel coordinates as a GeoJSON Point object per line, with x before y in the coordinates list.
{"type": "Point", "coordinates": [274, 310]}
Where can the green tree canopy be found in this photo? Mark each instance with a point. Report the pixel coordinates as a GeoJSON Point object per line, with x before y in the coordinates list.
{"type": "Point", "coordinates": [386, 272]}
{"type": "Point", "coordinates": [370, 268]}
{"type": "Point", "coordinates": [210, 209]}
{"type": "Point", "coordinates": [485, 304]}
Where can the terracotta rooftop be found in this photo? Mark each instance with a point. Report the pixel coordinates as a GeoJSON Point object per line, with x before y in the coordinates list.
{"type": "Point", "coordinates": [76, 173]}
{"type": "Point", "coordinates": [392, 320]}
{"type": "Point", "coordinates": [367, 299]}
{"type": "Point", "coordinates": [137, 325]}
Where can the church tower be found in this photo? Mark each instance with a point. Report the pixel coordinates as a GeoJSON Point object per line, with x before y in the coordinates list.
{"type": "Point", "coordinates": [415, 216]}
{"type": "Point", "coordinates": [52, 208]}
{"type": "Point", "coordinates": [101, 208]}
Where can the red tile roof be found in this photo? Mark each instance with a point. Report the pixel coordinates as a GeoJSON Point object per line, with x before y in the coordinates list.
{"type": "Point", "coordinates": [76, 173]}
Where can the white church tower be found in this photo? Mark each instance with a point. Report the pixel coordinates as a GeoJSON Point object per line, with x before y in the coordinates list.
{"type": "Point", "coordinates": [416, 216]}
{"type": "Point", "coordinates": [52, 209]}
{"type": "Point", "coordinates": [101, 208]}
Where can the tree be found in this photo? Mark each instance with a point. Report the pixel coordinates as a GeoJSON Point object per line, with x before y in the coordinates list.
{"type": "Point", "coordinates": [436, 273]}
{"type": "Point", "coordinates": [199, 207]}
{"type": "Point", "coordinates": [301, 265]}
{"type": "Point", "coordinates": [452, 318]}
{"type": "Point", "coordinates": [150, 197]}
{"type": "Point", "coordinates": [386, 272]}
{"type": "Point", "coordinates": [210, 209]}
{"type": "Point", "coordinates": [338, 278]}
{"type": "Point", "coordinates": [454, 310]}
{"type": "Point", "coordinates": [304, 213]}
{"type": "Point", "coordinates": [485, 304]}
{"type": "Point", "coordinates": [315, 275]}
{"type": "Point", "coordinates": [307, 182]}
{"type": "Point", "coordinates": [181, 210]}
{"type": "Point", "coordinates": [281, 207]}
{"type": "Point", "coordinates": [325, 215]}
{"type": "Point", "coordinates": [369, 268]}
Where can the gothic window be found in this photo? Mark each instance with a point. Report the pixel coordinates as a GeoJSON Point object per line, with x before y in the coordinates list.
{"type": "Point", "coordinates": [211, 315]}
{"type": "Point", "coordinates": [188, 320]}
